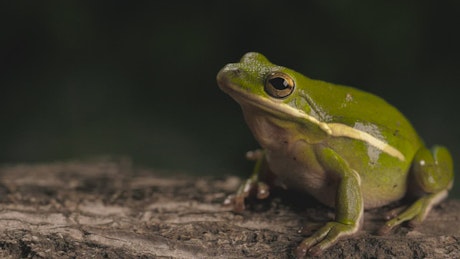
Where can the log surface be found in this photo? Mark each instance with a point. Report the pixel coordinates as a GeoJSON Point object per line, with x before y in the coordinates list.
{"type": "Point", "coordinates": [108, 209]}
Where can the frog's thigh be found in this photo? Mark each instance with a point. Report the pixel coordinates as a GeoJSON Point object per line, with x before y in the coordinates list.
{"type": "Point", "coordinates": [433, 173]}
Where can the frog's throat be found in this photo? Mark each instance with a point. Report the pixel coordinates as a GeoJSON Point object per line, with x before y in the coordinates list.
{"type": "Point", "coordinates": [332, 129]}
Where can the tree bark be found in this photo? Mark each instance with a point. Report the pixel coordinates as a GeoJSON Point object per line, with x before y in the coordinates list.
{"type": "Point", "coordinates": [109, 209]}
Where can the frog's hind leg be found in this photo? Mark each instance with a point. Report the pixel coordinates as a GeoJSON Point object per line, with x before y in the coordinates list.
{"type": "Point", "coordinates": [433, 174]}
{"type": "Point", "coordinates": [416, 213]}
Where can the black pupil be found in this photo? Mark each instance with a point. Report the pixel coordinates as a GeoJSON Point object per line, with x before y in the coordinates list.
{"type": "Point", "coordinates": [279, 83]}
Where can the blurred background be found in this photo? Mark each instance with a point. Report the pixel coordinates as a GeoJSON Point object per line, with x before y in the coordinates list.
{"type": "Point", "coordinates": [81, 79]}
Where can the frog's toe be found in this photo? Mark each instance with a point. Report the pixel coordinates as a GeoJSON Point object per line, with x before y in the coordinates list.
{"type": "Point", "coordinates": [407, 215]}
{"type": "Point", "coordinates": [301, 251]}
{"type": "Point", "coordinates": [235, 202]}
{"type": "Point", "coordinates": [412, 219]}
{"type": "Point", "coordinates": [263, 190]}
{"type": "Point", "coordinates": [238, 204]}
{"type": "Point", "coordinates": [393, 219]}
{"type": "Point", "coordinates": [228, 202]}
{"type": "Point", "coordinates": [386, 229]}
{"type": "Point", "coordinates": [324, 238]}
{"type": "Point", "coordinates": [308, 247]}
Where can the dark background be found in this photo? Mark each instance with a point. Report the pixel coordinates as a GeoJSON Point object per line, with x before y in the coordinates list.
{"type": "Point", "coordinates": [81, 79]}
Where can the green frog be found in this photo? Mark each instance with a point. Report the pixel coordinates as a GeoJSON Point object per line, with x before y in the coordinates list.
{"type": "Point", "coordinates": [349, 149]}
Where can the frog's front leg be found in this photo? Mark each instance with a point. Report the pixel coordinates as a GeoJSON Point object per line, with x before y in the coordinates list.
{"type": "Point", "coordinates": [253, 183]}
{"type": "Point", "coordinates": [348, 206]}
{"type": "Point", "coordinates": [433, 173]}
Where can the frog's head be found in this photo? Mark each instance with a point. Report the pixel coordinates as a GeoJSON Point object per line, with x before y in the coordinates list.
{"type": "Point", "coordinates": [278, 91]}
{"type": "Point", "coordinates": [255, 77]}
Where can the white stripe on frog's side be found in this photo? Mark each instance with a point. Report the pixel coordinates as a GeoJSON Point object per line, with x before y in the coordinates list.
{"type": "Point", "coordinates": [333, 129]}
{"type": "Point", "coordinates": [342, 130]}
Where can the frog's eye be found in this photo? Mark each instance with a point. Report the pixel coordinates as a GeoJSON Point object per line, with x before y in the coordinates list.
{"type": "Point", "coordinates": [279, 85]}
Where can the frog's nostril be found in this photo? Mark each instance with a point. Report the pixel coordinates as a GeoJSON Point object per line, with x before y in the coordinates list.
{"type": "Point", "coordinates": [237, 71]}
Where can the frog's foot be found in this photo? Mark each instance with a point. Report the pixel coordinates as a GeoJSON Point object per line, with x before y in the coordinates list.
{"type": "Point", "coordinates": [236, 201]}
{"type": "Point", "coordinates": [251, 185]}
{"type": "Point", "coordinates": [416, 213]}
{"type": "Point", "coordinates": [433, 173]}
{"type": "Point", "coordinates": [324, 238]}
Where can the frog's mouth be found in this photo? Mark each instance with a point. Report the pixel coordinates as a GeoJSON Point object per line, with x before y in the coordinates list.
{"type": "Point", "coordinates": [269, 105]}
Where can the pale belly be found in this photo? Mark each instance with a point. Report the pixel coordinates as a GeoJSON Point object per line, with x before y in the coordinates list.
{"type": "Point", "coordinates": [295, 173]}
